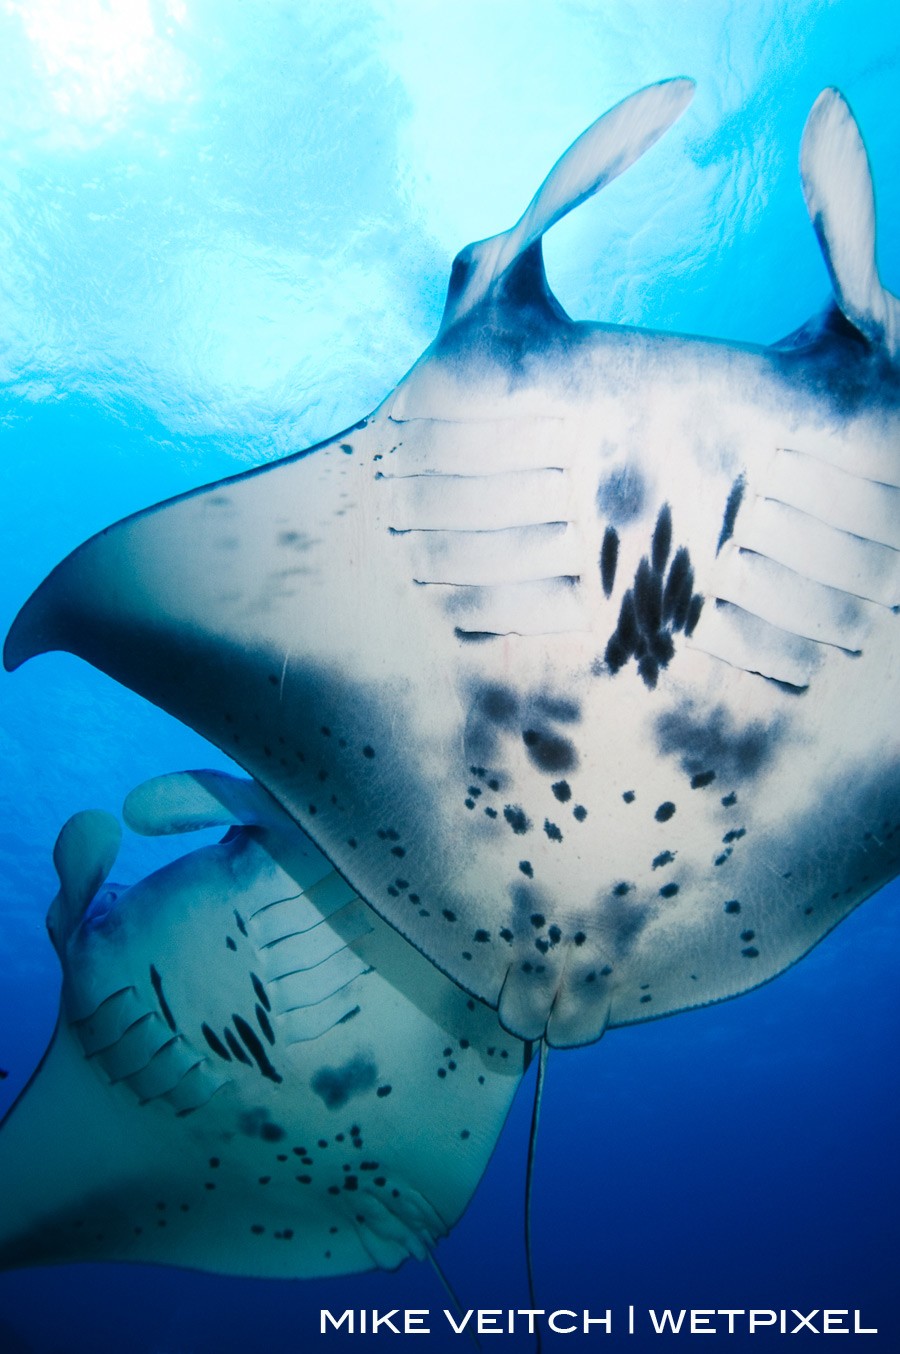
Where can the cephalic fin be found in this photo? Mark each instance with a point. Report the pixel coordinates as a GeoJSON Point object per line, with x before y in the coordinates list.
{"type": "Point", "coordinates": [188, 801]}
{"type": "Point", "coordinates": [84, 854]}
{"type": "Point", "coordinates": [837, 185]}
{"type": "Point", "coordinates": [602, 152]}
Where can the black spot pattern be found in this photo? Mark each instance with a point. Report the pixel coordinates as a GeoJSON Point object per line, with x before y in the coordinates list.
{"type": "Point", "coordinates": [561, 709]}
{"type": "Point", "coordinates": [499, 716]}
{"type": "Point", "coordinates": [500, 705]}
{"type": "Point", "coordinates": [621, 495]}
{"type": "Point", "coordinates": [215, 1043]}
{"type": "Point", "coordinates": [549, 751]}
{"type": "Point", "coordinates": [609, 558]}
{"type": "Point", "coordinates": [260, 992]}
{"type": "Point", "coordinates": [264, 1024]}
{"type": "Point", "coordinates": [729, 517]}
{"type": "Point", "coordinates": [705, 740]}
{"type": "Point", "coordinates": [236, 1049]}
{"type": "Point", "coordinates": [517, 819]}
{"type": "Point", "coordinates": [251, 1041]}
{"type": "Point", "coordinates": [662, 540]}
{"type": "Point", "coordinates": [156, 982]}
{"type": "Point", "coordinates": [336, 1085]}
{"type": "Point", "coordinates": [655, 607]}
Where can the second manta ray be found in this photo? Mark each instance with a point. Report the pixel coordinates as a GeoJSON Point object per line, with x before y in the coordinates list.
{"type": "Point", "coordinates": [251, 1073]}
{"type": "Point", "coordinates": [579, 657]}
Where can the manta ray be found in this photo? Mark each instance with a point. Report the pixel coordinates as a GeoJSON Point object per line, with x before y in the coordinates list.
{"type": "Point", "coordinates": [251, 1074]}
{"type": "Point", "coordinates": [578, 657]}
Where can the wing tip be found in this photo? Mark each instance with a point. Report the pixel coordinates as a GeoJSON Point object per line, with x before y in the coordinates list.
{"type": "Point", "coordinates": [31, 631]}
{"type": "Point", "coordinates": [16, 648]}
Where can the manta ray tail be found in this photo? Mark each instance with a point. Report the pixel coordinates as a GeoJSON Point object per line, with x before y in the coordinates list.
{"type": "Point", "coordinates": [543, 1058]}
{"type": "Point", "coordinates": [837, 185]}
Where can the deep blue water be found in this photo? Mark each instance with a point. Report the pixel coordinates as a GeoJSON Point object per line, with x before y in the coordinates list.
{"type": "Point", "coordinates": [227, 233]}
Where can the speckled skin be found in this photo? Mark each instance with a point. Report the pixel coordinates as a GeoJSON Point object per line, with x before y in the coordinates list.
{"type": "Point", "coordinates": [251, 1073]}
{"type": "Point", "coordinates": [588, 635]}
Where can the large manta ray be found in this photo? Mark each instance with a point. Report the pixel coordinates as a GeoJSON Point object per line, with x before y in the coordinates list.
{"type": "Point", "coordinates": [578, 657]}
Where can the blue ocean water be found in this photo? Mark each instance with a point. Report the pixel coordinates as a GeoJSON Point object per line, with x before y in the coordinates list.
{"type": "Point", "coordinates": [227, 232]}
